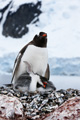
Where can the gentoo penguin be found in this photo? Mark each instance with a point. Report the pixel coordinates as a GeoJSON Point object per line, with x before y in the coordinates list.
{"type": "Point", "coordinates": [46, 86]}
{"type": "Point", "coordinates": [27, 81]}
{"type": "Point", "coordinates": [36, 54]}
{"type": "Point", "coordinates": [31, 82]}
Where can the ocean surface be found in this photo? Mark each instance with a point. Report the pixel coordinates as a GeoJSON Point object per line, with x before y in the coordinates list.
{"type": "Point", "coordinates": [65, 82]}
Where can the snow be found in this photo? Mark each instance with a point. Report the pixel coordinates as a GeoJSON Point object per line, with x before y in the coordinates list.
{"type": "Point", "coordinates": [63, 27]}
{"type": "Point", "coordinates": [16, 3]}
{"type": "Point", "coordinates": [4, 3]}
{"type": "Point", "coordinates": [59, 18]}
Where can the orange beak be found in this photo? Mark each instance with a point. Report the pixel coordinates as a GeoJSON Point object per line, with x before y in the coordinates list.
{"type": "Point", "coordinates": [44, 84]}
{"type": "Point", "coordinates": [44, 35]}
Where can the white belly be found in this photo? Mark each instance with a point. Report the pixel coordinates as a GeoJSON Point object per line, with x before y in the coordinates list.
{"type": "Point", "coordinates": [37, 57]}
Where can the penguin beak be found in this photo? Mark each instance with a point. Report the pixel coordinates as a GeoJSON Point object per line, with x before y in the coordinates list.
{"type": "Point", "coordinates": [44, 84]}
{"type": "Point", "coordinates": [44, 35]}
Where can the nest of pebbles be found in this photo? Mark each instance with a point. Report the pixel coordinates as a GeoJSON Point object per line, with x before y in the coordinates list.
{"type": "Point", "coordinates": [38, 105]}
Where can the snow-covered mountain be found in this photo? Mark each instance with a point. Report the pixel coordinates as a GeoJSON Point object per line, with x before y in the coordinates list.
{"type": "Point", "coordinates": [20, 20]}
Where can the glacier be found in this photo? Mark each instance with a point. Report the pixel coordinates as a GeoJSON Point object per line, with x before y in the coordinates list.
{"type": "Point", "coordinates": [58, 66]}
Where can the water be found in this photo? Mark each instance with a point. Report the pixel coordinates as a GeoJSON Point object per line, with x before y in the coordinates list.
{"type": "Point", "coordinates": [5, 79]}
{"type": "Point", "coordinates": [65, 82]}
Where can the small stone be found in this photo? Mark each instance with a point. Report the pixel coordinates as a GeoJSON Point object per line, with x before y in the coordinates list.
{"type": "Point", "coordinates": [24, 104]}
{"type": "Point", "coordinates": [10, 94]}
{"type": "Point", "coordinates": [57, 94]}
{"type": "Point", "coordinates": [33, 114]}
{"type": "Point", "coordinates": [27, 113]}
{"type": "Point", "coordinates": [12, 91]}
{"type": "Point", "coordinates": [62, 91]}
{"type": "Point", "coordinates": [18, 95]}
{"type": "Point", "coordinates": [60, 100]}
{"type": "Point", "coordinates": [4, 92]}
{"type": "Point", "coordinates": [36, 117]}
{"type": "Point", "coordinates": [78, 93]}
{"type": "Point", "coordinates": [23, 98]}
{"type": "Point", "coordinates": [45, 101]}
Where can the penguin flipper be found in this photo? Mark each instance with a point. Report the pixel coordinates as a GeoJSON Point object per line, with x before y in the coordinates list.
{"type": "Point", "coordinates": [8, 85]}
{"type": "Point", "coordinates": [16, 65]}
{"type": "Point", "coordinates": [47, 73]}
{"type": "Point", "coordinates": [18, 59]}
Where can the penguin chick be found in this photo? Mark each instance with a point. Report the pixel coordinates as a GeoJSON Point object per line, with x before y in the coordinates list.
{"type": "Point", "coordinates": [36, 54]}
{"type": "Point", "coordinates": [27, 81]}
{"type": "Point", "coordinates": [47, 85]}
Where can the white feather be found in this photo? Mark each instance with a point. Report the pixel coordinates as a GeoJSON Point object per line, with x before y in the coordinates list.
{"type": "Point", "coordinates": [37, 57]}
{"type": "Point", "coordinates": [41, 89]}
{"type": "Point", "coordinates": [33, 84]}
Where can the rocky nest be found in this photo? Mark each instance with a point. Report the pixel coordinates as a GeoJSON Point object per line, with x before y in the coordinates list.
{"type": "Point", "coordinates": [38, 105]}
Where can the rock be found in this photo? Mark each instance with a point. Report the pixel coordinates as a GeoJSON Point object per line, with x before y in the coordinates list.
{"type": "Point", "coordinates": [10, 107]}
{"type": "Point", "coordinates": [69, 110]}
{"type": "Point", "coordinates": [37, 105]}
{"type": "Point", "coordinates": [15, 24]}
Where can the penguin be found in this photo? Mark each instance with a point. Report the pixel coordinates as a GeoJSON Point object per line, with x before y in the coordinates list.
{"type": "Point", "coordinates": [36, 54]}
{"type": "Point", "coordinates": [33, 83]}
{"type": "Point", "coordinates": [46, 86]}
{"type": "Point", "coordinates": [27, 83]}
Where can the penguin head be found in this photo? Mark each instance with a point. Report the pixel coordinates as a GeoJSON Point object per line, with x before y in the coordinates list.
{"type": "Point", "coordinates": [41, 39]}
{"type": "Point", "coordinates": [43, 34]}
{"type": "Point", "coordinates": [47, 85]}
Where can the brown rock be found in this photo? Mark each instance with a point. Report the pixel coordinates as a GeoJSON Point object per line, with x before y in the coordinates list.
{"type": "Point", "coordinates": [69, 110]}
{"type": "Point", "coordinates": [10, 108]}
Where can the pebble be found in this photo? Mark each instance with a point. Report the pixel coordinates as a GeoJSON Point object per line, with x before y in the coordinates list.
{"type": "Point", "coordinates": [45, 101]}
{"type": "Point", "coordinates": [23, 98]}
{"type": "Point", "coordinates": [35, 117]}
{"type": "Point", "coordinates": [4, 92]}
{"type": "Point", "coordinates": [36, 104]}
{"type": "Point", "coordinates": [10, 94]}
